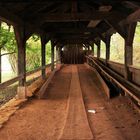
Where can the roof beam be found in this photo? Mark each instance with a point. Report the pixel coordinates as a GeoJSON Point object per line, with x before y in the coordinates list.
{"type": "Point", "coordinates": [98, 15]}
{"type": "Point", "coordinates": [134, 17]}
{"type": "Point", "coordinates": [117, 27]}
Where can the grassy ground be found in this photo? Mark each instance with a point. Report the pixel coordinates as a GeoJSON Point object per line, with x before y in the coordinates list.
{"type": "Point", "coordinates": [7, 76]}
{"type": "Point", "coordinates": [10, 92]}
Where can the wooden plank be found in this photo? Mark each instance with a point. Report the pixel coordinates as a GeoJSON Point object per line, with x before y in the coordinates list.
{"type": "Point", "coordinates": [42, 90]}
{"type": "Point", "coordinates": [12, 81]}
{"type": "Point", "coordinates": [76, 126]}
{"type": "Point", "coordinates": [104, 85]}
{"type": "Point", "coordinates": [9, 82]}
{"type": "Point", "coordinates": [57, 17]}
{"type": "Point", "coordinates": [128, 87]}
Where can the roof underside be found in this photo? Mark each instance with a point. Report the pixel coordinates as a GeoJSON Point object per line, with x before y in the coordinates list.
{"type": "Point", "coordinates": [69, 20]}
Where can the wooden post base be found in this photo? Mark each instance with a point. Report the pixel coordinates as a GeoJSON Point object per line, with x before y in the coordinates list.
{"type": "Point", "coordinates": [21, 92]}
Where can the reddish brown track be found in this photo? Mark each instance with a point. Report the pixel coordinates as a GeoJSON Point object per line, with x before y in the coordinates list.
{"type": "Point", "coordinates": [61, 115]}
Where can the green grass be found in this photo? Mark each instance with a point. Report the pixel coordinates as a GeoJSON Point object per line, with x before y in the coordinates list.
{"type": "Point", "coordinates": [7, 76]}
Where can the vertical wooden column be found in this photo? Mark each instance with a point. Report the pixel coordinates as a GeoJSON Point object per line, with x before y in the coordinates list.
{"type": "Point", "coordinates": [93, 49]}
{"type": "Point", "coordinates": [108, 37]}
{"type": "Point", "coordinates": [98, 48]}
{"type": "Point", "coordinates": [57, 52]}
{"type": "Point", "coordinates": [0, 67]}
{"type": "Point", "coordinates": [43, 56]}
{"type": "Point", "coordinates": [21, 41]}
{"type": "Point", "coordinates": [0, 61]}
{"type": "Point", "coordinates": [129, 50]}
{"type": "Point", "coordinates": [52, 55]}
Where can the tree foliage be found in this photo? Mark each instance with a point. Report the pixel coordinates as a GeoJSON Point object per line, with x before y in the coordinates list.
{"type": "Point", "coordinates": [8, 45]}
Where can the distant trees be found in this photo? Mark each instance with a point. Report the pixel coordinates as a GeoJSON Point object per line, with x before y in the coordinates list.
{"type": "Point", "coordinates": [8, 46]}
{"type": "Point", "coordinates": [117, 48]}
{"type": "Point", "coordinates": [136, 44]}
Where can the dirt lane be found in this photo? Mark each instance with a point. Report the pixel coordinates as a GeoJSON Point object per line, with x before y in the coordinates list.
{"type": "Point", "coordinates": [41, 119]}
{"type": "Point", "coordinates": [115, 119]}
{"type": "Point", "coordinates": [76, 126]}
{"type": "Point", "coordinates": [46, 119]}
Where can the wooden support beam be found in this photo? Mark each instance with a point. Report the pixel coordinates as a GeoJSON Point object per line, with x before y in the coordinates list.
{"type": "Point", "coordinates": [129, 50]}
{"type": "Point", "coordinates": [117, 27]}
{"type": "Point", "coordinates": [93, 49]}
{"type": "Point", "coordinates": [74, 8]}
{"type": "Point", "coordinates": [108, 38]}
{"type": "Point", "coordinates": [52, 55]}
{"type": "Point", "coordinates": [98, 43]}
{"type": "Point", "coordinates": [43, 55]}
{"type": "Point", "coordinates": [98, 15]}
{"type": "Point", "coordinates": [0, 62]}
{"type": "Point", "coordinates": [21, 41]}
{"type": "Point", "coordinates": [0, 67]}
{"type": "Point", "coordinates": [134, 17]}
{"type": "Point", "coordinates": [58, 53]}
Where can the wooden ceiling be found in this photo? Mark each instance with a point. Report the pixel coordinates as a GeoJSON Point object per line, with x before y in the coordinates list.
{"type": "Point", "coordinates": [70, 20]}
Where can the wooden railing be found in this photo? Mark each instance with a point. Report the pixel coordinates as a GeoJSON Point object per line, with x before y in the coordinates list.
{"type": "Point", "coordinates": [119, 68]}
{"type": "Point", "coordinates": [132, 89]}
{"type": "Point", "coordinates": [20, 77]}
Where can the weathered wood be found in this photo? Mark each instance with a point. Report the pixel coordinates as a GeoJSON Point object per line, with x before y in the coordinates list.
{"type": "Point", "coordinates": [105, 87]}
{"type": "Point", "coordinates": [46, 84]}
{"type": "Point", "coordinates": [117, 27]}
{"type": "Point", "coordinates": [97, 15]}
{"type": "Point", "coordinates": [0, 67]}
{"type": "Point", "coordinates": [126, 85]}
{"type": "Point", "coordinates": [43, 55]}
{"type": "Point", "coordinates": [20, 77]}
{"type": "Point", "coordinates": [52, 55]}
{"type": "Point", "coordinates": [21, 41]}
{"type": "Point", "coordinates": [98, 49]}
{"type": "Point", "coordinates": [108, 37]}
{"type": "Point", "coordinates": [134, 17]}
{"type": "Point", "coordinates": [0, 62]}
{"type": "Point", "coordinates": [57, 51]}
{"type": "Point", "coordinates": [129, 49]}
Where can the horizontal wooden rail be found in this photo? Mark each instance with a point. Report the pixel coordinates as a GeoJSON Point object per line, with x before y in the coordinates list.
{"type": "Point", "coordinates": [128, 87]}
{"type": "Point", "coordinates": [36, 70]}
{"type": "Point", "coordinates": [16, 79]}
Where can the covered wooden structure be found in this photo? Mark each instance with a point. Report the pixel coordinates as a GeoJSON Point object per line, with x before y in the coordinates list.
{"type": "Point", "coordinates": [71, 22]}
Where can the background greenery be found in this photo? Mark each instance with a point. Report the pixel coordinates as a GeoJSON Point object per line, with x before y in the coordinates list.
{"type": "Point", "coordinates": [8, 47]}
{"type": "Point", "coordinates": [33, 49]}
{"type": "Point", "coordinates": [117, 48]}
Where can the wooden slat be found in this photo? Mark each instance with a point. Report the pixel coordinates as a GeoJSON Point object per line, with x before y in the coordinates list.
{"type": "Point", "coordinates": [16, 79]}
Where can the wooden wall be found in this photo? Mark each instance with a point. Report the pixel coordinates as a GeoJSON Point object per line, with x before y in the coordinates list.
{"type": "Point", "coordinates": [73, 54]}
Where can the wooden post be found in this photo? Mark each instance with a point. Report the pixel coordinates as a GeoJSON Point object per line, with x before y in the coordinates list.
{"type": "Point", "coordinates": [108, 37]}
{"type": "Point", "coordinates": [129, 50]}
{"type": "Point", "coordinates": [93, 47]}
{"type": "Point", "coordinates": [43, 55]}
{"type": "Point", "coordinates": [0, 67]}
{"type": "Point", "coordinates": [57, 53]}
{"type": "Point", "coordinates": [21, 38]}
{"type": "Point", "coordinates": [98, 48]}
{"type": "Point", "coordinates": [52, 56]}
{"type": "Point", "coordinates": [21, 41]}
{"type": "Point", "coordinates": [0, 61]}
